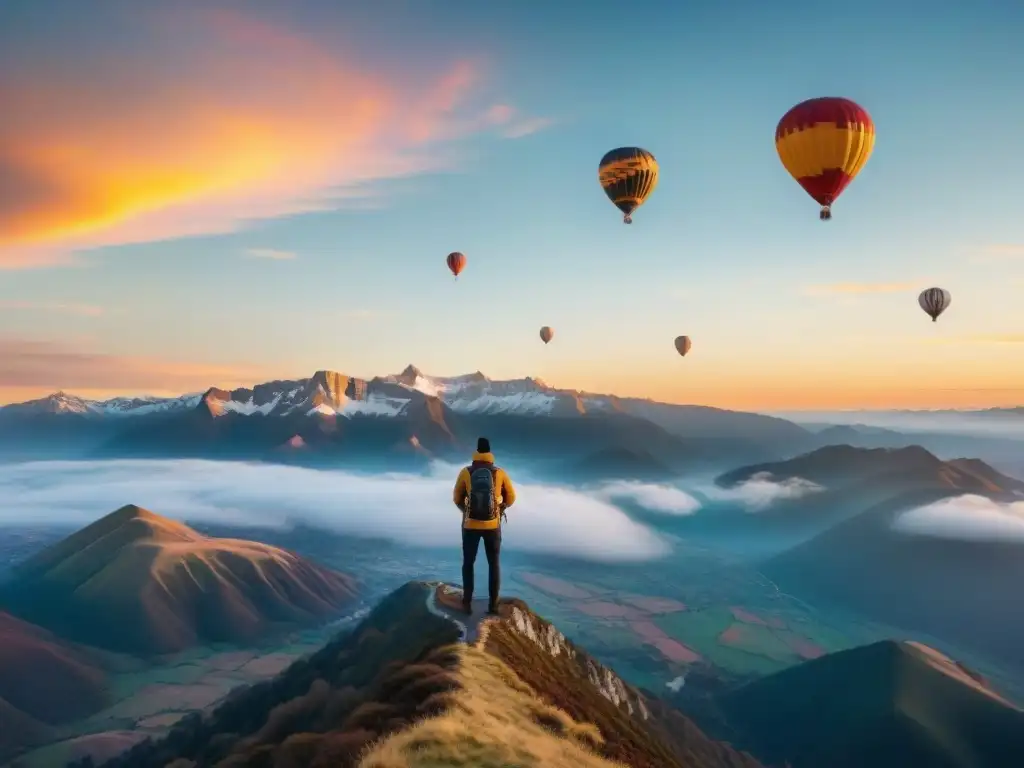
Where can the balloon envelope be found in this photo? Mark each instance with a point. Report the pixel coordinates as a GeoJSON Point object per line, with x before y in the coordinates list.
{"type": "Point", "coordinates": [683, 344]}
{"type": "Point", "coordinates": [934, 301]}
{"type": "Point", "coordinates": [824, 143]}
{"type": "Point", "coordinates": [456, 262]}
{"type": "Point", "coordinates": [628, 175]}
{"type": "Point", "coordinates": [546, 334]}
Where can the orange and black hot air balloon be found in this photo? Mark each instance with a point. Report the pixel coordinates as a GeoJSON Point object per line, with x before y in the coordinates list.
{"type": "Point", "coordinates": [456, 262]}
{"type": "Point", "coordinates": [824, 143]}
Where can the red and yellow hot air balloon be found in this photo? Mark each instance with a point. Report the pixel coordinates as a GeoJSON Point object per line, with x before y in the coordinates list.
{"type": "Point", "coordinates": [456, 262]}
{"type": "Point", "coordinates": [824, 143]}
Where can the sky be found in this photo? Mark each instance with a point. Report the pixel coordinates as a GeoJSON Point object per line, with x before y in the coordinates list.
{"type": "Point", "coordinates": [220, 193]}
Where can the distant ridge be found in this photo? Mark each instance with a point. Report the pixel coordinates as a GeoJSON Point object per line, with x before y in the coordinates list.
{"type": "Point", "coordinates": [910, 467]}
{"type": "Point", "coordinates": [138, 582]}
{"type": "Point", "coordinates": [887, 705]}
{"type": "Point", "coordinates": [401, 691]}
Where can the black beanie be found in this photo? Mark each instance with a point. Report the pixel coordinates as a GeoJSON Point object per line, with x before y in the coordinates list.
{"type": "Point", "coordinates": [483, 445]}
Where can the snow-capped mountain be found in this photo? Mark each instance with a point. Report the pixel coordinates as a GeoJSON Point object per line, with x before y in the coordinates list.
{"type": "Point", "coordinates": [328, 393]}
{"type": "Point", "coordinates": [62, 402]}
{"type": "Point", "coordinates": [331, 416]}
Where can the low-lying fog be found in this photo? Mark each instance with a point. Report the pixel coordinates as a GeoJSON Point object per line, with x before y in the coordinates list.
{"type": "Point", "coordinates": [417, 510]}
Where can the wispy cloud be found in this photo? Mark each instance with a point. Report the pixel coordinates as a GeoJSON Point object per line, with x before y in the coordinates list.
{"type": "Point", "coordinates": [525, 127]}
{"type": "Point", "coordinates": [242, 120]}
{"type": "Point", "coordinates": [1000, 252]}
{"type": "Point", "coordinates": [665, 499]}
{"type": "Point", "coordinates": [968, 517]}
{"type": "Point", "coordinates": [45, 366]}
{"type": "Point", "coordinates": [763, 490]}
{"type": "Point", "coordinates": [410, 509]}
{"type": "Point", "coordinates": [82, 310]}
{"type": "Point", "coordinates": [270, 253]}
{"type": "Point", "coordinates": [856, 289]}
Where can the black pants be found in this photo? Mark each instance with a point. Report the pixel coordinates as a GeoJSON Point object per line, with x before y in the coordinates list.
{"type": "Point", "coordinates": [492, 548]}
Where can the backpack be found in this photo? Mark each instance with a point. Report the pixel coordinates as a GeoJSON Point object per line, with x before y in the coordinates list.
{"type": "Point", "coordinates": [481, 501]}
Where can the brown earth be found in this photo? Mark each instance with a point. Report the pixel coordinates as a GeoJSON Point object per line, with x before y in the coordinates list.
{"type": "Point", "coordinates": [44, 682]}
{"type": "Point", "coordinates": [137, 582]}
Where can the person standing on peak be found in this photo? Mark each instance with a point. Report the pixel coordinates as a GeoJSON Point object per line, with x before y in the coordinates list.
{"type": "Point", "coordinates": [483, 492]}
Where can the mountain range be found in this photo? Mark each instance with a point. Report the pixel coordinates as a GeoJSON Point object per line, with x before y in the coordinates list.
{"type": "Point", "coordinates": [331, 416]}
{"type": "Point", "coordinates": [136, 582]}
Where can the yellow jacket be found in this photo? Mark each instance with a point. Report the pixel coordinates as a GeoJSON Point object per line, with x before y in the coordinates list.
{"type": "Point", "coordinates": [504, 494]}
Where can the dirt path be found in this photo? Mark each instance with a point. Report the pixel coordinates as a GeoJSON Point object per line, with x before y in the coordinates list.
{"type": "Point", "coordinates": [445, 601]}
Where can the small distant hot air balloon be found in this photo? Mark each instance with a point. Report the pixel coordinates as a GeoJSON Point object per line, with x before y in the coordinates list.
{"type": "Point", "coordinates": [546, 334]}
{"type": "Point", "coordinates": [683, 345]}
{"type": "Point", "coordinates": [628, 175]}
{"type": "Point", "coordinates": [934, 301]}
{"type": "Point", "coordinates": [456, 262]}
{"type": "Point", "coordinates": [824, 143]}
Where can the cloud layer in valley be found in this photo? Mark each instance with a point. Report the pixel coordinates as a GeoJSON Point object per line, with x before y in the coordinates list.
{"type": "Point", "coordinates": [409, 509]}
{"type": "Point", "coordinates": [664, 499]}
{"type": "Point", "coordinates": [762, 490]}
{"type": "Point", "coordinates": [968, 518]}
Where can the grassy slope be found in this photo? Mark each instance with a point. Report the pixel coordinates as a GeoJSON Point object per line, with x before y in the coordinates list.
{"type": "Point", "coordinates": [573, 682]}
{"type": "Point", "coordinates": [401, 692]}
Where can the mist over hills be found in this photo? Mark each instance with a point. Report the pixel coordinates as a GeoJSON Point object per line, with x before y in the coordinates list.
{"type": "Point", "coordinates": [137, 582]}
{"type": "Point", "coordinates": [903, 537]}
{"type": "Point", "coordinates": [846, 466]}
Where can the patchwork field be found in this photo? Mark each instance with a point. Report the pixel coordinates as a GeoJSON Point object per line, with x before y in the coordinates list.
{"type": "Point", "coordinates": [149, 701]}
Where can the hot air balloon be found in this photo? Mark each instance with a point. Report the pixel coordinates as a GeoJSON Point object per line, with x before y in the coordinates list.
{"type": "Point", "coordinates": [934, 301]}
{"type": "Point", "coordinates": [628, 175]}
{"type": "Point", "coordinates": [683, 345]}
{"type": "Point", "coordinates": [546, 334]}
{"type": "Point", "coordinates": [824, 143]}
{"type": "Point", "coordinates": [456, 262]}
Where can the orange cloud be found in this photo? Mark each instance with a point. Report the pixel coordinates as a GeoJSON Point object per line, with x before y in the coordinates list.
{"type": "Point", "coordinates": [854, 289]}
{"type": "Point", "coordinates": [240, 120]}
{"type": "Point", "coordinates": [31, 368]}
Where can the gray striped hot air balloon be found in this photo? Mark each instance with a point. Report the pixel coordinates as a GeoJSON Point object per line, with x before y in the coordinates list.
{"type": "Point", "coordinates": [934, 301]}
{"type": "Point", "coordinates": [546, 334]}
{"type": "Point", "coordinates": [683, 345]}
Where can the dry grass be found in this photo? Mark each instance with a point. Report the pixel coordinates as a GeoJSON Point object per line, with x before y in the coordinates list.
{"type": "Point", "coordinates": [495, 721]}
